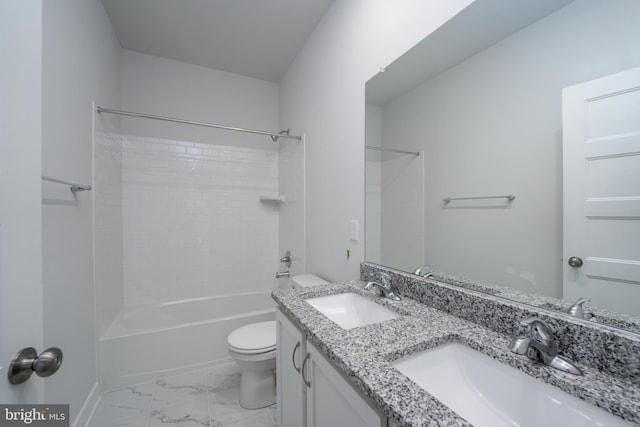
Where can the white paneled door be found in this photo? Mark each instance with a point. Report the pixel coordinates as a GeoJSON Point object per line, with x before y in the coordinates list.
{"type": "Point", "coordinates": [601, 139]}
{"type": "Point", "coordinates": [21, 305]}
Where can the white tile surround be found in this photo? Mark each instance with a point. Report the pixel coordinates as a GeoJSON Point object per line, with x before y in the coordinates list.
{"type": "Point", "coordinates": [108, 223]}
{"type": "Point", "coordinates": [193, 223]}
{"type": "Point", "coordinates": [178, 220]}
{"type": "Point", "coordinates": [203, 398]}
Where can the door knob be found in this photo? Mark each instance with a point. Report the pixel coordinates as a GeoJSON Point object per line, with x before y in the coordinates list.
{"type": "Point", "coordinates": [575, 261]}
{"type": "Point", "coordinates": [27, 361]}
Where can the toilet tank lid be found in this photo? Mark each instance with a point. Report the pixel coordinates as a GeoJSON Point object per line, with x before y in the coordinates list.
{"type": "Point", "coordinates": [306, 280]}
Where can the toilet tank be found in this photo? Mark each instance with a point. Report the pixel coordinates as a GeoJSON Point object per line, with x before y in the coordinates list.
{"type": "Point", "coordinates": [307, 280]}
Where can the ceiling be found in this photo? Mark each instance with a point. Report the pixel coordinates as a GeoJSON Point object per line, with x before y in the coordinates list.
{"type": "Point", "coordinates": [254, 38]}
{"type": "Point", "coordinates": [466, 34]}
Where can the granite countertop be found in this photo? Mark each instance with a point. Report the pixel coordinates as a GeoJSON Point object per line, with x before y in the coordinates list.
{"type": "Point", "coordinates": [364, 355]}
{"type": "Point", "coordinates": [602, 315]}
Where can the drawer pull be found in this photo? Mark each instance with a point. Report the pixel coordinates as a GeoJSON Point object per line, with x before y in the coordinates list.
{"type": "Point", "coordinates": [293, 357]}
{"type": "Point", "coordinates": [304, 362]}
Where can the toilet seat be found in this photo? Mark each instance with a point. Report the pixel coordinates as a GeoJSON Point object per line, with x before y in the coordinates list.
{"type": "Point", "coordinates": [255, 338]}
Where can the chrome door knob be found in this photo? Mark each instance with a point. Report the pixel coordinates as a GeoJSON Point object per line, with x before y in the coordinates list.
{"type": "Point", "coordinates": [575, 261]}
{"type": "Point", "coordinates": [27, 361]}
{"type": "Point", "coordinates": [48, 362]}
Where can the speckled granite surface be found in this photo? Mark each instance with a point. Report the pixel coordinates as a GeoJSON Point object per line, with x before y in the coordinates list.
{"type": "Point", "coordinates": [602, 316]}
{"type": "Point", "coordinates": [364, 354]}
{"type": "Point", "coordinates": [609, 350]}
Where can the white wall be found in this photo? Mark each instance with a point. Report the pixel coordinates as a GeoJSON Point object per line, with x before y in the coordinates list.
{"type": "Point", "coordinates": [107, 196]}
{"type": "Point", "coordinates": [193, 224]}
{"type": "Point", "coordinates": [165, 87]}
{"type": "Point", "coordinates": [80, 65]}
{"type": "Point", "coordinates": [402, 211]}
{"type": "Point", "coordinates": [291, 225]}
{"type": "Point", "coordinates": [492, 125]}
{"type": "Point", "coordinates": [394, 200]}
{"type": "Point", "coordinates": [373, 183]}
{"type": "Point", "coordinates": [322, 95]}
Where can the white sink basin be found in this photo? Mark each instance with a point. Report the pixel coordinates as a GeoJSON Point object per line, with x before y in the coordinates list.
{"type": "Point", "coordinates": [486, 392]}
{"type": "Point", "coordinates": [351, 310]}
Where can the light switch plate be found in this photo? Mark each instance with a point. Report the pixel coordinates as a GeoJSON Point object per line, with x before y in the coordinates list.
{"type": "Point", "coordinates": [353, 230]}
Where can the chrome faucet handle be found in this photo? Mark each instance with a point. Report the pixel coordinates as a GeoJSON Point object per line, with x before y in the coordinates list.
{"type": "Point", "coordinates": [384, 283]}
{"type": "Point", "coordinates": [371, 285]}
{"type": "Point", "coordinates": [542, 332]}
{"type": "Point", "coordinates": [540, 344]}
{"type": "Point", "coordinates": [520, 344]}
{"type": "Point", "coordinates": [539, 324]}
{"type": "Point", "coordinates": [424, 271]}
{"type": "Point", "coordinates": [383, 287]}
{"type": "Point", "coordinates": [576, 310]}
{"type": "Point", "coordinates": [384, 278]}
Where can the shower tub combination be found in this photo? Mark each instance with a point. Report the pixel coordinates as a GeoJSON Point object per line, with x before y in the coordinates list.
{"type": "Point", "coordinates": [150, 342]}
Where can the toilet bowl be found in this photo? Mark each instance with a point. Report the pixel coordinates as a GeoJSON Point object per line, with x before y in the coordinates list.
{"type": "Point", "coordinates": [253, 347]}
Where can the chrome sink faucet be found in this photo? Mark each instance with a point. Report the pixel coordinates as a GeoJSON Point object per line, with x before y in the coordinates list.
{"type": "Point", "coordinates": [577, 310]}
{"type": "Point", "coordinates": [540, 344]}
{"type": "Point", "coordinates": [384, 284]}
{"type": "Point", "coordinates": [424, 271]}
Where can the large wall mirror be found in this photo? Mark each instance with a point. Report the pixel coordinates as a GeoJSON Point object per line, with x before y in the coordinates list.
{"type": "Point", "coordinates": [474, 114]}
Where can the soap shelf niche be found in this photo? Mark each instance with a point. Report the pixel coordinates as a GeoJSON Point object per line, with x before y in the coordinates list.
{"type": "Point", "coordinates": [272, 198]}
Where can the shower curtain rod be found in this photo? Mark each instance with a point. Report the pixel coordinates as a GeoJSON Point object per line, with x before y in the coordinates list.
{"type": "Point", "coordinates": [274, 136]}
{"type": "Point", "coordinates": [392, 150]}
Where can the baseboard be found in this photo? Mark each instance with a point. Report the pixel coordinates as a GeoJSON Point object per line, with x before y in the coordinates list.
{"type": "Point", "coordinates": [88, 407]}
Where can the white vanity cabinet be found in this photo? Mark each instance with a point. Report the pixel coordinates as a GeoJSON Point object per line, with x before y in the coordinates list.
{"type": "Point", "coordinates": [291, 391]}
{"type": "Point", "coordinates": [311, 392]}
{"type": "Point", "coordinates": [331, 401]}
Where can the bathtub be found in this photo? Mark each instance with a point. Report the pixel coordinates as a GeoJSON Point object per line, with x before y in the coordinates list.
{"type": "Point", "coordinates": [150, 342]}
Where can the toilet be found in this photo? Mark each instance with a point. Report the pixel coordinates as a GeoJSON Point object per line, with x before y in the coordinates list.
{"type": "Point", "coordinates": [306, 281]}
{"type": "Point", "coordinates": [253, 347]}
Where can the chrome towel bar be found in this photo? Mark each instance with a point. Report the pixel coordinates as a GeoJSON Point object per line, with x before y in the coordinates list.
{"type": "Point", "coordinates": [74, 187]}
{"type": "Point", "coordinates": [392, 150]}
{"type": "Point", "coordinates": [507, 196]}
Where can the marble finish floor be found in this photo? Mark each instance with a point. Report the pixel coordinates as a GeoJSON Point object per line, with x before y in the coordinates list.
{"type": "Point", "coordinates": [203, 398]}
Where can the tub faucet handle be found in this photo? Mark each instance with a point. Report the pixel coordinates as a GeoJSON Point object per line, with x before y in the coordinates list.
{"type": "Point", "coordinates": [286, 259]}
